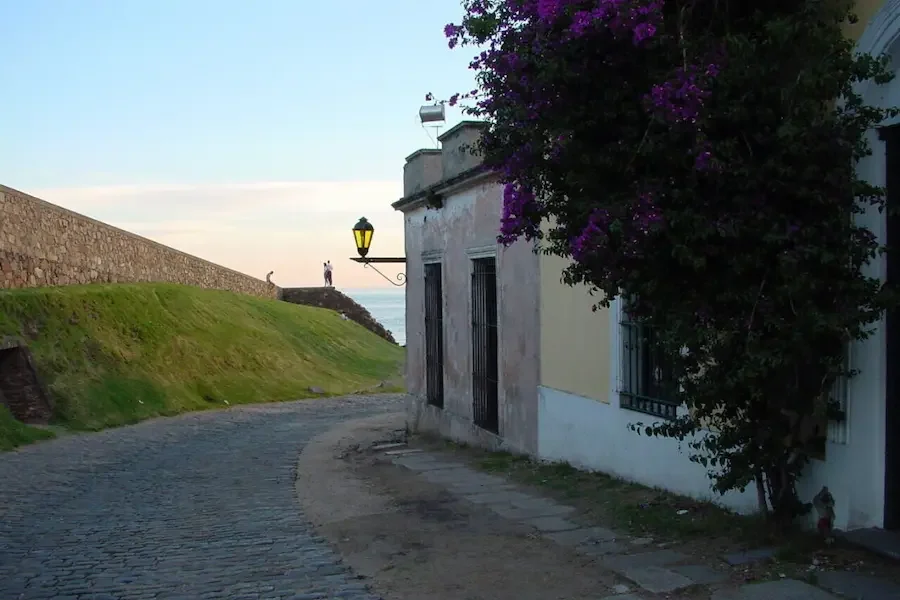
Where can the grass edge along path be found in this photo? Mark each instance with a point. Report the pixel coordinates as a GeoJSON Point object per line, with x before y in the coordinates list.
{"type": "Point", "coordinates": [112, 355]}
{"type": "Point", "coordinates": [14, 434]}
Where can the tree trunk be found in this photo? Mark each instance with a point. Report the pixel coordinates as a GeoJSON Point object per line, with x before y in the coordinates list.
{"type": "Point", "coordinates": [761, 495]}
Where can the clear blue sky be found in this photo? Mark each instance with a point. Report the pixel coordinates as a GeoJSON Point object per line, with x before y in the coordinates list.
{"type": "Point", "coordinates": [145, 93]}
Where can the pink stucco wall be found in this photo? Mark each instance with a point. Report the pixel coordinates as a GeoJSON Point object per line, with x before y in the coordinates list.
{"type": "Point", "coordinates": [467, 224]}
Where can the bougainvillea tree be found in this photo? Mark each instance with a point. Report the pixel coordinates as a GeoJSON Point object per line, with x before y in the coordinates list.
{"type": "Point", "coordinates": [697, 158]}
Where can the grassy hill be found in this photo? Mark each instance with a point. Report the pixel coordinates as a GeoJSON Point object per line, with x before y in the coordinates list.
{"type": "Point", "coordinates": [116, 354]}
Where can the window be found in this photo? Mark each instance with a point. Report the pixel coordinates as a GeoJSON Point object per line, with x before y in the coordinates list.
{"type": "Point", "coordinates": [434, 335]}
{"type": "Point", "coordinates": [838, 430]}
{"type": "Point", "coordinates": [647, 384]}
{"type": "Point", "coordinates": [485, 379]}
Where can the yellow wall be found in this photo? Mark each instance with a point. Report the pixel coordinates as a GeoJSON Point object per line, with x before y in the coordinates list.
{"type": "Point", "coordinates": [865, 10]}
{"type": "Point", "coordinates": [575, 341]}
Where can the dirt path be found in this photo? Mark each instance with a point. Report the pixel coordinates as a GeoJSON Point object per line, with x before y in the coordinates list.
{"type": "Point", "coordinates": [415, 540]}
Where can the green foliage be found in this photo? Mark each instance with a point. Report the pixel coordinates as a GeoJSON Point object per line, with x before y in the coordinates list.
{"type": "Point", "coordinates": [14, 434]}
{"type": "Point", "coordinates": [706, 172]}
{"type": "Point", "coordinates": [112, 355]}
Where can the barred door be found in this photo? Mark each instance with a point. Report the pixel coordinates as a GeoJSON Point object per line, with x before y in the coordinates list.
{"type": "Point", "coordinates": [434, 335]}
{"type": "Point", "coordinates": [485, 385]}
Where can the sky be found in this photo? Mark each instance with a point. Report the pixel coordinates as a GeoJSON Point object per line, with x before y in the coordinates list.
{"type": "Point", "coordinates": [252, 134]}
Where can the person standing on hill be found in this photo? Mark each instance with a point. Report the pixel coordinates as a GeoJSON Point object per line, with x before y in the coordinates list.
{"type": "Point", "coordinates": [329, 281]}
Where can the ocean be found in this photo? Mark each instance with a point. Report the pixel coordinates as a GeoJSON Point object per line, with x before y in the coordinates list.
{"type": "Point", "coordinates": [388, 306]}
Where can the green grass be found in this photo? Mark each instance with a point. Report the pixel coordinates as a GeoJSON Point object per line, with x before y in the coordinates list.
{"type": "Point", "coordinates": [14, 434]}
{"type": "Point", "coordinates": [634, 508]}
{"type": "Point", "coordinates": [116, 354]}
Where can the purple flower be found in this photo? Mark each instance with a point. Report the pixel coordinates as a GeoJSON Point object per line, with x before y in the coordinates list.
{"type": "Point", "coordinates": [638, 18]}
{"type": "Point", "coordinates": [680, 99]}
{"type": "Point", "coordinates": [521, 214]}
{"type": "Point", "coordinates": [452, 33]}
{"type": "Point", "coordinates": [585, 244]}
{"type": "Point", "coordinates": [643, 31]}
{"type": "Point", "coordinates": [549, 9]}
{"type": "Point", "coordinates": [645, 215]}
{"type": "Point", "coordinates": [702, 160]}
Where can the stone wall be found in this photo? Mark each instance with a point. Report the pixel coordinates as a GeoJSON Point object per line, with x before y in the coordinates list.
{"type": "Point", "coordinates": [326, 297]}
{"type": "Point", "coordinates": [42, 244]}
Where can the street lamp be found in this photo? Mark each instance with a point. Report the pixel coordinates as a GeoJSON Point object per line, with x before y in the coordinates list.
{"type": "Point", "coordinates": [363, 232]}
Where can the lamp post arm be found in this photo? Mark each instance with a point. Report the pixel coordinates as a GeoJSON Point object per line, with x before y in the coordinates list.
{"type": "Point", "coordinates": [401, 277]}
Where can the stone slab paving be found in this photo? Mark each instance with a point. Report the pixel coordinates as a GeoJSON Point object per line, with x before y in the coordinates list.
{"type": "Point", "coordinates": [496, 497]}
{"type": "Point", "coordinates": [582, 536]}
{"type": "Point", "coordinates": [453, 475]}
{"type": "Point", "coordinates": [749, 556]}
{"type": "Point", "coordinates": [785, 589]}
{"type": "Point", "coordinates": [602, 548]}
{"type": "Point", "coordinates": [640, 541]}
{"type": "Point", "coordinates": [195, 507]}
{"type": "Point", "coordinates": [657, 571]}
{"type": "Point", "coordinates": [701, 574]}
{"type": "Point", "coordinates": [423, 462]}
{"type": "Point", "coordinates": [521, 514]}
{"type": "Point", "coordinates": [479, 488]}
{"type": "Point", "coordinates": [881, 541]}
{"type": "Point", "coordinates": [655, 558]}
{"type": "Point", "coordinates": [657, 579]}
{"type": "Point", "coordinates": [646, 569]}
{"type": "Point", "coordinates": [855, 586]}
{"type": "Point", "coordinates": [552, 524]}
{"type": "Point", "coordinates": [531, 503]}
{"type": "Point", "coordinates": [403, 452]}
{"type": "Point", "coordinates": [388, 446]}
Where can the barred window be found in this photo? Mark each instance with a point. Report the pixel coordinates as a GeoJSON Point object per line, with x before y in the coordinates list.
{"type": "Point", "coordinates": [647, 383]}
{"type": "Point", "coordinates": [838, 431]}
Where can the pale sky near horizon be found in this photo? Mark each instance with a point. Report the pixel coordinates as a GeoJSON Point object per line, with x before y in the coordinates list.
{"type": "Point", "coordinates": [252, 134]}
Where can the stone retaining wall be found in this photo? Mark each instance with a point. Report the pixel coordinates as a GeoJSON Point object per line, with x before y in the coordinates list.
{"type": "Point", "coordinates": [42, 244]}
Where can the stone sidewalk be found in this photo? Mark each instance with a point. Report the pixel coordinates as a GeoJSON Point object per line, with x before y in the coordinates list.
{"type": "Point", "coordinates": [654, 573]}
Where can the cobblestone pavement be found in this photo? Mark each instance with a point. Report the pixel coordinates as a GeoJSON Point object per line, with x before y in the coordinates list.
{"type": "Point", "coordinates": [194, 507]}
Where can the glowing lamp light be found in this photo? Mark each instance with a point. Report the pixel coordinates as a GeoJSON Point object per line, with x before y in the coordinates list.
{"type": "Point", "coordinates": [362, 234]}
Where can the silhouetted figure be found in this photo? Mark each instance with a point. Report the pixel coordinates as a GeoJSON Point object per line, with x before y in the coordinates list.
{"type": "Point", "coordinates": [328, 278]}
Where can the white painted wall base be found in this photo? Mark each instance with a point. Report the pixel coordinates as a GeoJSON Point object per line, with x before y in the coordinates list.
{"type": "Point", "coordinates": [595, 436]}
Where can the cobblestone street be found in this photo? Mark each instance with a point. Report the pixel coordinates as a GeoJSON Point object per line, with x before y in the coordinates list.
{"type": "Point", "coordinates": [193, 507]}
